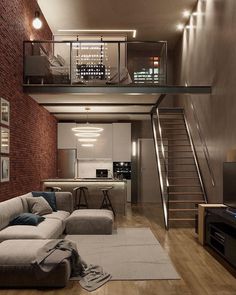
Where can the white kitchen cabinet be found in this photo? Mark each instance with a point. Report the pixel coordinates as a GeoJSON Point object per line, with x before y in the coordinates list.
{"type": "Point", "coordinates": [65, 136]}
{"type": "Point", "coordinates": [121, 142]}
{"type": "Point", "coordinates": [102, 148]}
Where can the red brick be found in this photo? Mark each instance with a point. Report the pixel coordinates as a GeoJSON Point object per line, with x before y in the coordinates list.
{"type": "Point", "coordinates": [33, 130]}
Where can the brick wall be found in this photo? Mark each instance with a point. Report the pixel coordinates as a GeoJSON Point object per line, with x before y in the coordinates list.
{"type": "Point", "coordinates": [33, 129]}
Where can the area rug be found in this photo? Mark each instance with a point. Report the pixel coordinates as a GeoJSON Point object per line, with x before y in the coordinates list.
{"type": "Point", "coordinates": [127, 254]}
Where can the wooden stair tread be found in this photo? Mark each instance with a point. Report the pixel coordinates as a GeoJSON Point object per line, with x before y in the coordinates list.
{"type": "Point", "coordinates": [184, 185]}
{"type": "Point", "coordinates": [178, 177]}
{"type": "Point", "coordinates": [182, 209]}
{"type": "Point", "coordinates": [186, 201]}
{"type": "Point", "coordinates": [185, 193]}
{"type": "Point", "coordinates": [181, 219]}
{"type": "Point", "coordinates": [180, 157]}
{"type": "Point", "coordinates": [172, 128]}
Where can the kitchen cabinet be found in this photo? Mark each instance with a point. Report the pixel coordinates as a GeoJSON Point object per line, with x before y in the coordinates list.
{"type": "Point", "coordinates": [121, 142]}
{"type": "Point", "coordinates": [65, 136]}
{"type": "Point", "coordinates": [102, 148]}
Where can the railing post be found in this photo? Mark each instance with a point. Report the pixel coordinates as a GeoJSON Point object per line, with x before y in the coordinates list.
{"type": "Point", "coordinates": [70, 63]}
{"type": "Point", "coordinates": [119, 63]}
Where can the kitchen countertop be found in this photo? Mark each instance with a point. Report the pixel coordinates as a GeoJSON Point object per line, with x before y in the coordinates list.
{"type": "Point", "coordinates": [84, 180]}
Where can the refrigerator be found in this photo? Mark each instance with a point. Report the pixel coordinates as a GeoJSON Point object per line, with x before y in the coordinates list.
{"type": "Point", "coordinates": [67, 163]}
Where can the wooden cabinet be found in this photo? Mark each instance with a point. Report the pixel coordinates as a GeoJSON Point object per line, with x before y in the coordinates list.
{"type": "Point", "coordinates": [121, 142]}
{"type": "Point", "coordinates": [65, 136]}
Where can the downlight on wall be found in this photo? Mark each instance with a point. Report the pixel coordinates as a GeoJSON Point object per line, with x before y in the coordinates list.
{"type": "Point", "coordinates": [134, 149]}
{"type": "Point", "coordinates": [37, 23]}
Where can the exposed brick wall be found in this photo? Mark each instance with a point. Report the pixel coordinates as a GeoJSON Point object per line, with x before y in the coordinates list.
{"type": "Point", "coordinates": [33, 129]}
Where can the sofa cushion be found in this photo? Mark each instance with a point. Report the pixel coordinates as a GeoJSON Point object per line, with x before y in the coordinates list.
{"type": "Point", "coordinates": [17, 271]}
{"type": "Point", "coordinates": [48, 229]}
{"type": "Point", "coordinates": [90, 222]}
{"type": "Point", "coordinates": [27, 219]}
{"type": "Point", "coordinates": [24, 201]}
{"type": "Point", "coordinates": [49, 197]}
{"type": "Point", "coordinates": [9, 210]}
{"type": "Point", "coordinates": [65, 201]}
{"type": "Point", "coordinates": [60, 215]}
{"type": "Point", "coordinates": [39, 206]}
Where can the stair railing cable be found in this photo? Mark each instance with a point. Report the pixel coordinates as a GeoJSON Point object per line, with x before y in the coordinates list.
{"type": "Point", "coordinates": [195, 159]}
{"type": "Point", "coordinates": [162, 178]}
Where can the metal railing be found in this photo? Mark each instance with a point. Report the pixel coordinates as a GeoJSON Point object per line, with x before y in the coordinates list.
{"type": "Point", "coordinates": [163, 177]}
{"type": "Point", "coordinates": [195, 159]}
{"type": "Point", "coordinates": [92, 63]}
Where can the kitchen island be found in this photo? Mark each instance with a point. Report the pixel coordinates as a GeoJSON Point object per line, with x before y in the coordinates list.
{"type": "Point", "coordinates": [118, 194]}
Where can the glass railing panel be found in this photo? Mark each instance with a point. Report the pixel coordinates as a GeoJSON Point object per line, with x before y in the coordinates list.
{"type": "Point", "coordinates": [95, 63]}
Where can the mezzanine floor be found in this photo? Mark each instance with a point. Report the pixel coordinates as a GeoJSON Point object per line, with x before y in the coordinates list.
{"type": "Point", "coordinates": [201, 273]}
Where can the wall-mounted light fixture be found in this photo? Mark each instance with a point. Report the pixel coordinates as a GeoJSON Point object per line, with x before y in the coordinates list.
{"type": "Point", "coordinates": [134, 149]}
{"type": "Point", "coordinates": [37, 23]}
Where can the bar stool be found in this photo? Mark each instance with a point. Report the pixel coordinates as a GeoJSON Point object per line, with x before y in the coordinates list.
{"type": "Point", "coordinates": [53, 189]}
{"type": "Point", "coordinates": [83, 193]}
{"type": "Point", "coordinates": [106, 202]}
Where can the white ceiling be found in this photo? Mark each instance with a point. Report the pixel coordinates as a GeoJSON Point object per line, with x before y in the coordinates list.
{"type": "Point", "coordinates": [102, 107]}
{"type": "Point", "coordinates": [153, 19]}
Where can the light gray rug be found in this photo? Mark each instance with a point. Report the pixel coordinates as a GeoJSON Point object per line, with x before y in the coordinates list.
{"type": "Point", "coordinates": [128, 254]}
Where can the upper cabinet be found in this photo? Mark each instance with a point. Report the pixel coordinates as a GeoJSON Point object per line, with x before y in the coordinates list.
{"type": "Point", "coordinates": [65, 136]}
{"type": "Point", "coordinates": [121, 142]}
{"type": "Point", "coordinates": [102, 147]}
{"type": "Point", "coordinates": [114, 142]}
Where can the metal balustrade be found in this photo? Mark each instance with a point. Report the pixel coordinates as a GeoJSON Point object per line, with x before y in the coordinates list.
{"type": "Point", "coordinates": [95, 63]}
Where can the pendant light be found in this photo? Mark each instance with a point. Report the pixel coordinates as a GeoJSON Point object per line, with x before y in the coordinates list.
{"type": "Point", "coordinates": [87, 134]}
{"type": "Point", "coordinates": [37, 23]}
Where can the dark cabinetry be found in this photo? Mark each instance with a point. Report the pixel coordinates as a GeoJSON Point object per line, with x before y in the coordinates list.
{"type": "Point", "coordinates": [221, 233]}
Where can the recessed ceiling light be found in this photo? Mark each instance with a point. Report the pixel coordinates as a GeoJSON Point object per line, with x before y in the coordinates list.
{"type": "Point", "coordinates": [186, 13]}
{"type": "Point", "coordinates": [134, 32]}
{"type": "Point", "coordinates": [180, 27]}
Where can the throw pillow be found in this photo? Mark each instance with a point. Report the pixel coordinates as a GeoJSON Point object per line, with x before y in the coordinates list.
{"type": "Point", "coordinates": [54, 62]}
{"type": "Point", "coordinates": [50, 197]}
{"type": "Point", "coordinates": [39, 206]}
{"type": "Point", "coordinates": [27, 219]}
{"type": "Point", "coordinates": [61, 60]}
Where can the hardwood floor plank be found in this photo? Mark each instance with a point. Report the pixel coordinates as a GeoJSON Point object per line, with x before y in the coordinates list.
{"type": "Point", "coordinates": [201, 273]}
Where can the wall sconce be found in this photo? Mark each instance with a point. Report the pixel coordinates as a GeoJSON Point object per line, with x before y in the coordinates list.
{"type": "Point", "coordinates": [134, 149]}
{"type": "Point", "coordinates": [37, 23]}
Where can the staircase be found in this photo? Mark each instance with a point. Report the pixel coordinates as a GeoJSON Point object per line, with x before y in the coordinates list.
{"type": "Point", "coordinates": [184, 186]}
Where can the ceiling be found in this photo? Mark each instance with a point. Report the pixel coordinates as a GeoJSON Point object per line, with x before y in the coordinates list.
{"type": "Point", "coordinates": [102, 107]}
{"type": "Point", "coordinates": [153, 19]}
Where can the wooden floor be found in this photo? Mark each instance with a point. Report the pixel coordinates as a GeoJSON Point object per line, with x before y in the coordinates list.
{"type": "Point", "coordinates": [201, 273]}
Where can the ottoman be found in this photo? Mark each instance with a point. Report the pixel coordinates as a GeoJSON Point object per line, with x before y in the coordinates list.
{"type": "Point", "coordinates": [90, 222]}
{"type": "Point", "coordinates": [16, 270]}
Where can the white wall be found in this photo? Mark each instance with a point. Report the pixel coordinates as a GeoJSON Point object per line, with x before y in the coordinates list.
{"type": "Point", "coordinates": [87, 169]}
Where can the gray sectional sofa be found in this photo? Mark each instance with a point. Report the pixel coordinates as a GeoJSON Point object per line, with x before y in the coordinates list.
{"type": "Point", "coordinates": [51, 228]}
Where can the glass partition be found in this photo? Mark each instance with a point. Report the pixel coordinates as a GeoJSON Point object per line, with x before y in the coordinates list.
{"type": "Point", "coordinates": [94, 63]}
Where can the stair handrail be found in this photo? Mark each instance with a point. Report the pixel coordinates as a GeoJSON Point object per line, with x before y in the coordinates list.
{"type": "Point", "coordinates": [195, 158]}
{"type": "Point", "coordinates": [161, 177]}
{"type": "Point", "coordinates": [204, 146]}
